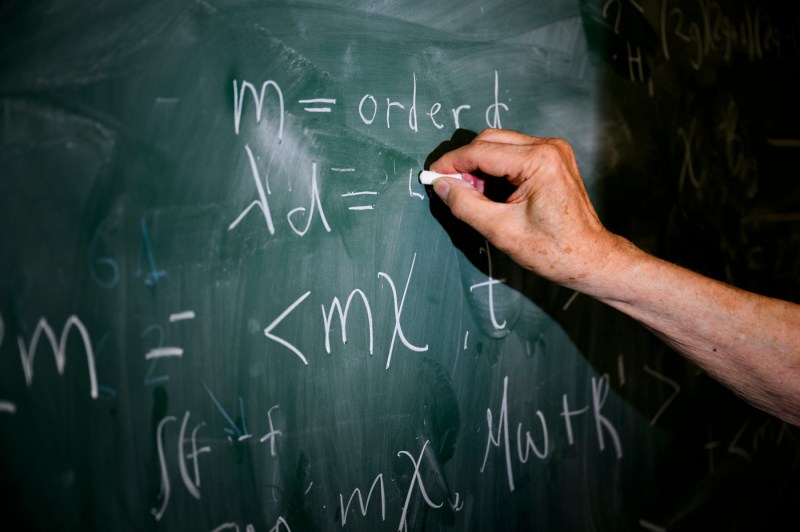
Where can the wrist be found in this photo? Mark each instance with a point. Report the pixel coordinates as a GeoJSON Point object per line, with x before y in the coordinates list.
{"type": "Point", "coordinates": [610, 269]}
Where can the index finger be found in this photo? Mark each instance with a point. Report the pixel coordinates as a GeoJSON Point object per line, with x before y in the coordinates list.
{"type": "Point", "coordinates": [497, 159]}
{"type": "Point", "coordinates": [505, 136]}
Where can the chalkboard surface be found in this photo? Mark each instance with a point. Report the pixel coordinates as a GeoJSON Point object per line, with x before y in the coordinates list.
{"type": "Point", "coordinates": [227, 304]}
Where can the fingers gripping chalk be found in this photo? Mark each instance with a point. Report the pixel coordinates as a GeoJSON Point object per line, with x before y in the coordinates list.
{"type": "Point", "coordinates": [427, 178]}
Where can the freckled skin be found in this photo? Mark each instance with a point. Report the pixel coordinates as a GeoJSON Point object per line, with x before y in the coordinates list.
{"type": "Point", "coordinates": [549, 226]}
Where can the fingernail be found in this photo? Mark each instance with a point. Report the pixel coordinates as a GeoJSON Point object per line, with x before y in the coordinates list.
{"type": "Point", "coordinates": [442, 188]}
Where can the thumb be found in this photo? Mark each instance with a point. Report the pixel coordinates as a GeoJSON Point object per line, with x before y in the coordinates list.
{"type": "Point", "coordinates": [469, 205]}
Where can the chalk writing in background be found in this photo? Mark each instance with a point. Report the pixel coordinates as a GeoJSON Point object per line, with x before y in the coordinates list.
{"type": "Point", "coordinates": [227, 304]}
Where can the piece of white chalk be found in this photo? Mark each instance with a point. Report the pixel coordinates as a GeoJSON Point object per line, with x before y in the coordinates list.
{"type": "Point", "coordinates": [427, 177]}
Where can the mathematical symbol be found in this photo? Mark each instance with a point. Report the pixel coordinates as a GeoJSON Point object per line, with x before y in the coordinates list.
{"type": "Point", "coordinates": [161, 352]}
{"type": "Point", "coordinates": [276, 321]}
{"type": "Point", "coordinates": [241, 433]}
{"type": "Point", "coordinates": [360, 207]}
{"type": "Point", "coordinates": [147, 252]}
{"type": "Point", "coordinates": [570, 300]}
{"type": "Point", "coordinates": [318, 101]}
{"type": "Point", "coordinates": [416, 479]}
{"type": "Point", "coordinates": [490, 283]}
{"type": "Point", "coordinates": [180, 316]}
{"type": "Point", "coordinates": [272, 434]}
{"type": "Point", "coordinates": [676, 389]}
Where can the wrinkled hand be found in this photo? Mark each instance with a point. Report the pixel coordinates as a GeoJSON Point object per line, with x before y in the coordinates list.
{"type": "Point", "coordinates": [547, 224]}
{"type": "Point", "coordinates": [748, 342]}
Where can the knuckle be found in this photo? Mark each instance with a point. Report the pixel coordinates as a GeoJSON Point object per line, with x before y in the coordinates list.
{"type": "Point", "coordinates": [555, 151]}
{"type": "Point", "coordinates": [563, 147]}
{"type": "Point", "coordinates": [487, 132]}
{"type": "Point", "coordinates": [549, 154]}
{"type": "Point", "coordinates": [481, 146]}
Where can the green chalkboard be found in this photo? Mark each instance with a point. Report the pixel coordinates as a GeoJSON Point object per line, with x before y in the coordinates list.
{"type": "Point", "coordinates": [226, 303]}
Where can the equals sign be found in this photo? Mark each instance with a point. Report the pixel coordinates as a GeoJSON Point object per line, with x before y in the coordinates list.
{"type": "Point", "coordinates": [360, 207]}
{"type": "Point", "coordinates": [322, 104]}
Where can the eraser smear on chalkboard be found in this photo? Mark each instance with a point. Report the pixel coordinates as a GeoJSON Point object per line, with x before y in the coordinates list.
{"type": "Point", "coordinates": [427, 177]}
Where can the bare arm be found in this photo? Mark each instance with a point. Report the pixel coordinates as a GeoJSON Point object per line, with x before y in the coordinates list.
{"type": "Point", "coordinates": [749, 342]}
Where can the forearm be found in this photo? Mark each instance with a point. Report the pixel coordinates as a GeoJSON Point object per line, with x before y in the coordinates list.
{"type": "Point", "coordinates": [548, 225]}
{"type": "Point", "coordinates": [749, 342]}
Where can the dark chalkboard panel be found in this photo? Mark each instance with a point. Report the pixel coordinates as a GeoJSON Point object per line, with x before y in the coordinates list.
{"type": "Point", "coordinates": [226, 303]}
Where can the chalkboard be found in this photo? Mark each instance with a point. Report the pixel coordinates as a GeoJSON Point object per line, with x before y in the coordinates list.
{"type": "Point", "coordinates": [227, 303]}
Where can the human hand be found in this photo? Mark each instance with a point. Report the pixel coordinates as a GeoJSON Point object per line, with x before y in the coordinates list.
{"type": "Point", "coordinates": [547, 224]}
{"type": "Point", "coordinates": [748, 342]}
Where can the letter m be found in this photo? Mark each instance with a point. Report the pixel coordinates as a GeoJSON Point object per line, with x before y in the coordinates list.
{"type": "Point", "coordinates": [59, 347]}
{"type": "Point", "coordinates": [258, 99]}
{"type": "Point", "coordinates": [327, 318]}
{"type": "Point", "coordinates": [363, 505]}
